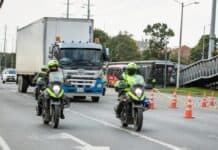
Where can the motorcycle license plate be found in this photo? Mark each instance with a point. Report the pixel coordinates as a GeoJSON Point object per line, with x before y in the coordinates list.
{"type": "Point", "coordinates": [55, 103]}
{"type": "Point", "coordinates": [80, 90]}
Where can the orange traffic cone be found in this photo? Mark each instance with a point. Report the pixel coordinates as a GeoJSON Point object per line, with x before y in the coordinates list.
{"type": "Point", "coordinates": [188, 109]}
{"type": "Point", "coordinates": [189, 101]}
{"type": "Point", "coordinates": [204, 101]}
{"type": "Point", "coordinates": [152, 99]}
{"type": "Point", "coordinates": [212, 100]}
{"type": "Point", "coordinates": [173, 101]}
{"type": "Point", "coordinates": [188, 113]}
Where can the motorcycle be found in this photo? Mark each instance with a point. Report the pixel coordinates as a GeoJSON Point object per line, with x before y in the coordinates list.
{"type": "Point", "coordinates": [133, 102]}
{"type": "Point", "coordinates": [53, 102]}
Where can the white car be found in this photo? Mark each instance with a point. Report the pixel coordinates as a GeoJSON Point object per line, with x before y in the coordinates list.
{"type": "Point", "coordinates": [9, 75]}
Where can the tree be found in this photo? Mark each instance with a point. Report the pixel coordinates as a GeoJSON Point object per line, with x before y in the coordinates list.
{"type": "Point", "coordinates": [103, 36]}
{"type": "Point", "coordinates": [158, 35]}
{"type": "Point", "coordinates": [197, 51]}
{"type": "Point", "coordinates": [123, 48]}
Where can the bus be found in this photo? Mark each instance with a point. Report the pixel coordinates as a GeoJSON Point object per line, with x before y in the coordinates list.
{"type": "Point", "coordinates": [113, 72]}
{"type": "Point", "coordinates": [154, 69]}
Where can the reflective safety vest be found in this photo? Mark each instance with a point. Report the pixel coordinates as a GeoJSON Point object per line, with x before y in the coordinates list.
{"type": "Point", "coordinates": [129, 79]}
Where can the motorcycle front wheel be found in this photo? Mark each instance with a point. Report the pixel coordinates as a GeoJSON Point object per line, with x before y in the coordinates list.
{"type": "Point", "coordinates": [138, 119]}
{"type": "Point", "coordinates": [55, 116]}
{"type": "Point", "coordinates": [44, 115]}
{"type": "Point", "coordinates": [124, 118]}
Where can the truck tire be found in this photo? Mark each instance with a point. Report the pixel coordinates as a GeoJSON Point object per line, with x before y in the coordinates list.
{"type": "Point", "coordinates": [95, 99]}
{"type": "Point", "coordinates": [22, 84]}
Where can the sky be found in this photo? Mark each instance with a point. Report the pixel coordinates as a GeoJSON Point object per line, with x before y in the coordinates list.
{"type": "Point", "coordinates": [112, 16]}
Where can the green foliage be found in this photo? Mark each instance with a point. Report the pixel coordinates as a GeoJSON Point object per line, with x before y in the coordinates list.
{"type": "Point", "coordinates": [103, 36]}
{"type": "Point", "coordinates": [174, 58]}
{"type": "Point", "coordinates": [10, 60]}
{"type": "Point", "coordinates": [196, 52]}
{"type": "Point", "coordinates": [123, 48]}
{"type": "Point", "coordinates": [158, 35]}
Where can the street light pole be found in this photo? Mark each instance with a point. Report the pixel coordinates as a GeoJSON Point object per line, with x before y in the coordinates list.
{"type": "Point", "coordinates": [180, 46]}
{"type": "Point", "coordinates": [180, 39]}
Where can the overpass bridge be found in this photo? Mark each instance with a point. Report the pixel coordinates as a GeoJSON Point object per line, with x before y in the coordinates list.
{"type": "Point", "coordinates": [203, 73]}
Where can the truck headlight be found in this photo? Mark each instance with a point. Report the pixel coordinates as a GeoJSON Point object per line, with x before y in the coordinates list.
{"type": "Point", "coordinates": [138, 92]}
{"type": "Point", "coordinates": [56, 89]}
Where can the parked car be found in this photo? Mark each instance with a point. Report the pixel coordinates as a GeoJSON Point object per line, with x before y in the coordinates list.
{"type": "Point", "coordinates": [9, 75]}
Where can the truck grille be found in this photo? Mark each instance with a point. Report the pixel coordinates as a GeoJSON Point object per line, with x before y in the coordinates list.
{"type": "Point", "coordinates": [81, 82]}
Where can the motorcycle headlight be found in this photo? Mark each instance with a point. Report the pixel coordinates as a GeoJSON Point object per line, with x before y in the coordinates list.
{"type": "Point", "coordinates": [56, 89]}
{"type": "Point", "coordinates": [138, 92]}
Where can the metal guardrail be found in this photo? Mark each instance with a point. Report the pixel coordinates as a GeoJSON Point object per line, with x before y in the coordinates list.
{"type": "Point", "coordinates": [203, 69]}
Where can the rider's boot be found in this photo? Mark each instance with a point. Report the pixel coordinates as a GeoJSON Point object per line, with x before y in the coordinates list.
{"type": "Point", "coordinates": [118, 109]}
{"type": "Point", "coordinates": [62, 114]}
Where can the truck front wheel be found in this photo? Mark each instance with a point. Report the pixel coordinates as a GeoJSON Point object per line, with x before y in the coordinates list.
{"type": "Point", "coordinates": [95, 99]}
{"type": "Point", "coordinates": [22, 84]}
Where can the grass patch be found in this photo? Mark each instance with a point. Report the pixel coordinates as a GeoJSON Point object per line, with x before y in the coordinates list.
{"type": "Point", "coordinates": [195, 91]}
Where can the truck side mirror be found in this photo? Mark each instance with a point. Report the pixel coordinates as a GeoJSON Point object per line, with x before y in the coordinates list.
{"type": "Point", "coordinates": [106, 54]}
{"type": "Point", "coordinates": [54, 52]}
{"type": "Point", "coordinates": [50, 53]}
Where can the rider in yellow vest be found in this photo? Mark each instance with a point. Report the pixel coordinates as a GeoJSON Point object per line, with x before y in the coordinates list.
{"type": "Point", "coordinates": [127, 78]}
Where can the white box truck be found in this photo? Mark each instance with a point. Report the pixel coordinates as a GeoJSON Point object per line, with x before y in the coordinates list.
{"type": "Point", "coordinates": [80, 58]}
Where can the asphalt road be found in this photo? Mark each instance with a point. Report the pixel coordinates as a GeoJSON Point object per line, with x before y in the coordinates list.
{"type": "Point", "coordinates": [93, 126]}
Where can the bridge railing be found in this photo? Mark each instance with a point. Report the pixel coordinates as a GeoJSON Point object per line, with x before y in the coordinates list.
{"type": "Point", "coordinates": [202, 69]}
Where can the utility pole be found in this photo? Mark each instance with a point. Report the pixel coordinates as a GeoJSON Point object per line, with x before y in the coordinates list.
{"type": "Point", "coordinates": [87, 6]}
{"type": "Point", "coordinates": [212, 30]}
{"type": "Point", "coordinates": [68, 8]}
{"type": "Point", "coordinates": [12, 52]}
{"type": "Point", "coordinates": [88, 10]}
{"type": "Point", "coordinates": [5, 42]}
{"type": "Point", "coordinates": [180, 38]}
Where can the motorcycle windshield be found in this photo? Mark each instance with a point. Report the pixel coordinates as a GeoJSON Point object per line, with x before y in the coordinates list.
{"type": "Point", "coordinates": [137, 80]}
{"type": "Point", "coordinates": [57, 76]}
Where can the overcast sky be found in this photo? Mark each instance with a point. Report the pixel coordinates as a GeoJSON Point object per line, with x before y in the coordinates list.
{"type": "Point", "coordinates": [113, 16]}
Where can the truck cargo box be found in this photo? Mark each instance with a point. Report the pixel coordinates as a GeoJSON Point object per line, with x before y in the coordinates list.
{"type": "Point", "coordinates": [33, 40]}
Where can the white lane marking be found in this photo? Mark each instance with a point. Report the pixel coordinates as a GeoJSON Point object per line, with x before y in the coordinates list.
{"type": "Point", "coordinates": [3, 144]}
{"type": "Point", "coordinates": [85, 145]}
{"type": "Point", "coordinates": [170, 146]}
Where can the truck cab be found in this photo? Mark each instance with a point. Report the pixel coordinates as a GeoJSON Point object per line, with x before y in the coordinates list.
{"type": "Point", "coordinates": [82, 64]}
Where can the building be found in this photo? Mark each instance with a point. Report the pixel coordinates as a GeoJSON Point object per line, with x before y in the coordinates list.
{"type": "Point", "coordinates": [185, 52]}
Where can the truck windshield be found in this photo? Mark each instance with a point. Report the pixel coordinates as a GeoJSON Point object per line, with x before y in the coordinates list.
{"type": "Point", "coordinates": [80, 57]}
